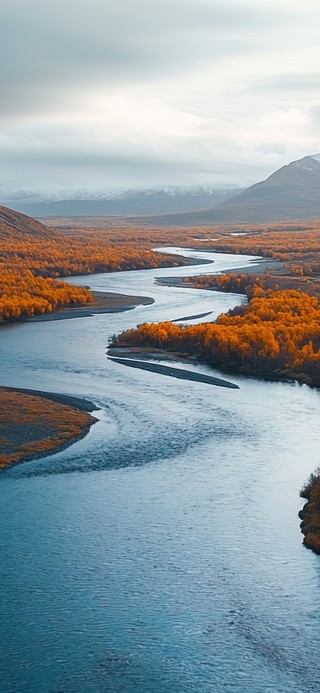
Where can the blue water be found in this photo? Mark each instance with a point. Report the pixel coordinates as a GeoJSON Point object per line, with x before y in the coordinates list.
{"type": "Point", "coordinates": [163, 551]}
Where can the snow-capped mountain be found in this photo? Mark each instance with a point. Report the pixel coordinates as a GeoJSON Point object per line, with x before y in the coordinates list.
{"type": "Point", "coordinates": [308, 163]}
{"type": "Point", "coordinates": [119, 203]}
{"type": "Point", "coordinates": [292, 192]}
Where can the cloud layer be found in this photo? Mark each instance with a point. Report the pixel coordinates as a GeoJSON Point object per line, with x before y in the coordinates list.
{"type": "Point", "coordinates": [115, 94]}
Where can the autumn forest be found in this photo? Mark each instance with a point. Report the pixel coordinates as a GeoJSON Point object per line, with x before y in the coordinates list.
{"type": "Point", "coordinates": [34, 256]}
{"type": "Point", "coordinates": [276, 334]}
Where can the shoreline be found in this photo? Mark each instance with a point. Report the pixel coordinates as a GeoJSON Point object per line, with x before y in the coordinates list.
{"type": "Point", "coordinates": [111, 302]}
{"type": "Point", "coordinates": [261, 267]}
{"type": "Point", "coordinates": [148, 354]}
{"type": "Point", "coordinates": [36, 424]}
{"type": "Point", "coordinates": [81, 403]}
{"type": "Point", "coordinates": [105, 302]}
{"type": "Point", "coordinates": [156, 354]}
{"type": "Point", "coordinates": [310, 513]}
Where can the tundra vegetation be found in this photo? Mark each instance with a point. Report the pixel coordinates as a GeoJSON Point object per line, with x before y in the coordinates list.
{"type": "Point", "coordinates": [33, 426]}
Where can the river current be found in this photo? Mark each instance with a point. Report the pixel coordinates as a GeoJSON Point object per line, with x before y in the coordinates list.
{"type": "Point", "coordinates": [163, 551]}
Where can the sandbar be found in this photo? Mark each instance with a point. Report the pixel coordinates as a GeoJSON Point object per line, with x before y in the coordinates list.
{"type": "Point", "coordinates": [180, 373]}
{"type": "Point", "coordinates": [36, 424]}
{"type": "Point", "coordinates": [105, 302]}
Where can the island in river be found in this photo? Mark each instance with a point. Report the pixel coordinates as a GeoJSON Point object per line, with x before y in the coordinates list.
{"type": "Point", "coordinates": [35, 424]}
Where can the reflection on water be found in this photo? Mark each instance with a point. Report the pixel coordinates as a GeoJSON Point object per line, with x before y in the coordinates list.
{"type": "Point", "coordinates": [163, 551]}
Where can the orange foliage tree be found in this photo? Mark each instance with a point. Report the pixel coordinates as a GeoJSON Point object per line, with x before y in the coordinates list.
{"type": "Point", "coordinates": [34, 256]}
{"type": "Point", "coordinates": [276, 335]}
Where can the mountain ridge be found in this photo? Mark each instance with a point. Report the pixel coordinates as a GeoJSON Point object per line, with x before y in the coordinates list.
{"type": "Point", "coordinates": [290, 193]}
{"type": "Point", "coordinates": [165, 200]}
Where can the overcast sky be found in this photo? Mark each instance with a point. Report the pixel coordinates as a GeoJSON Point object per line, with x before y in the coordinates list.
{"type": "Point", "coordinates": [107, 94]}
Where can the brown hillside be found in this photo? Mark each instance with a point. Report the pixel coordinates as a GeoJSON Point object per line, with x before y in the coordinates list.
{"type": "Point", "coordinates": [33, 256]}
{"type": "Point", "coordinates": [12, 222]}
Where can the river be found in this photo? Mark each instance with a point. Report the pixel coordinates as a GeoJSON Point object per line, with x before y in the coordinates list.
{"type": "Point", "coordinates": [162, 552]}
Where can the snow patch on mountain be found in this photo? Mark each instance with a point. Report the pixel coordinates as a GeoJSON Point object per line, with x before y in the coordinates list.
{"type": "Point", "coordinates": [298, 164]}
{"type": "Point", "coordinates": [308, 163]}
{"type": "Point", "coordinates": [118, 195]}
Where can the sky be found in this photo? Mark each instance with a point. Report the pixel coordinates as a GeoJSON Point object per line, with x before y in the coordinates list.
{"type": "Point", "coordinates": [115, 94]}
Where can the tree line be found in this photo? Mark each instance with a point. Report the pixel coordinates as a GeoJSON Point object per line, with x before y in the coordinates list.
{"type": "Point", "coordinates": [277, 334]}
{"type": "Point", "coordinates": [30, 265]}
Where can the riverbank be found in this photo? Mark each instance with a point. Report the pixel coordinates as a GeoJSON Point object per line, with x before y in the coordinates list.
{"type": "Point", "coordinates": [262, 266]}
{"type": "Point", "coordinates": [310, 513]}
{"type": "Point", "coordinates": [105, 302]}
{"type": "Point", "coordinates": [35, 424]}
{"type": "Point", "coordinates": [275, 336]}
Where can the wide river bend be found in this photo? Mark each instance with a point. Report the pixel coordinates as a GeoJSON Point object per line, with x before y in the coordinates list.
{"type": "Point", "coordinates": [163, 551]}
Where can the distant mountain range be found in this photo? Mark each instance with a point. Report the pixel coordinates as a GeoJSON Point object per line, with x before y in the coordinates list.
{"type": "Point", "coordinates": [123, 204]}
{"type": "Point", "coordinates": [292, 192]}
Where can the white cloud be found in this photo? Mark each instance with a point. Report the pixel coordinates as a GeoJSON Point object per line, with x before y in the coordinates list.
{"type": "Point", "coordinates": [154, 92]}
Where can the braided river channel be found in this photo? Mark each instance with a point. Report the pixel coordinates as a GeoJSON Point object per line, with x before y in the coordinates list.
{"type": "Point", "coordinates": [162, 552]}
